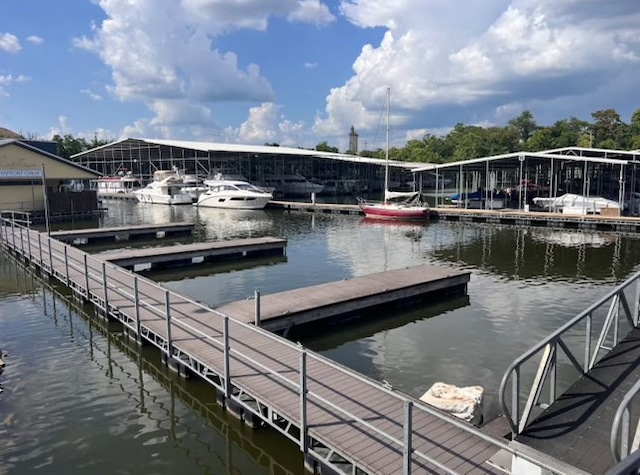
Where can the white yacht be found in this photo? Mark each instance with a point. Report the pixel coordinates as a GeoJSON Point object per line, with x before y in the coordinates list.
{"type": "Point", "coordinates": [193, 186]}
{"type": "Point", "coordinates": [122, 183]}
{"type": "Point", "coordinates": [233, 194]}
{"type": "Point", "coordinates": [293, 184]}
{"type": "Point", "coordinates": [166, 189]}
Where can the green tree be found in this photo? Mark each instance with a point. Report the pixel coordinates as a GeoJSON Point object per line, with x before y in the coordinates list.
{"type": "Point", "coordinates": [542, 139]}
{"type": "Point", "coordinates": [324, 147]}
{"type": "Point", "coordinates": [607, 126]}
{"type": "Point", "coordinates": [69, 145]}
{"type": "Point", "coordinates": [524, 124]}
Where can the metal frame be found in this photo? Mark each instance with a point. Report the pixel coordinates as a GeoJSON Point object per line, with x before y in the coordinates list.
{"type": "Point", "coordinates": [554, 345]}
{"type": "Point", "coordinates": [110, 283]}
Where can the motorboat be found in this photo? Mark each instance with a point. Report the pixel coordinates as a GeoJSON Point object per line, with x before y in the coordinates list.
{"type": "Point", "coordinates": [233, 194]}
{"type": "Point", "coordinates": [124, 183]}
{"type": "Point", "coordinates": [293, 184]}
{"type": "Point", "coordinates": [396, 205]}
{"type": "Point", "coordinates": [166, 189]}
{"type": "Point", "coordinates": [570, 203]}
{"type": "Point", "coordinates": [193, 185]}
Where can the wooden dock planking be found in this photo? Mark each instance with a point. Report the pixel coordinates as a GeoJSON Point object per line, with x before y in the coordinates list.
{"type": "Point", "coordinates": [185, 253]}
{"type": "Point", "coordinates": [371, 403]}
{"type": "Point", "coordinates": [283, 310]}
{"type": "Point", "coordinates": [130, 232]}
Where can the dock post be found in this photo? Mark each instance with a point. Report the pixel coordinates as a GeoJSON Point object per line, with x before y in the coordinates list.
{"type": "Point", "coordinates": [104, 289]}
{"type": "Point", "coordinates": [227, 373]}
{"type": "Point", "coordinates": [587, 345]}
{"type": "Point", "coordinates": [66, 266]}
{"type": "Point", "coordinates": [407, 449]}
{"type": "Point", "coordinates": [86, 276]}
{"type": "Point", "coordinates": [304, 439]}
{"type": "Point", "coordinates": [167, 309]}
{"type": "Point", "coordinates": [29, 240]}
{"type": "Point", "coordinates": [136, 307]}
{"type": "Point", "coordinates": [256, 295]}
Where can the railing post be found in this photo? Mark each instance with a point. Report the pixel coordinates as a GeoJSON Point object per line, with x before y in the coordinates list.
{"type": "Point", "coordinates": [636, 307]}
{"type": "Point", "coordinates": [50, 256]}
{"type": "Point", "coordinates": [104, 289]}
{"type": "Point", "coordinates": [167, 309]}
{"type": "Point", "coordinates": [66, 265]}
{"type": "Point", "coordinates": [29, 240]}
{"type": "Point", "coordinates": [13, 230]}
{"type": "Point", "coordinates": [624, 436]}
{"type": "Point", "coordinates": [407, 448]}
{"type": "Point", "coordinates": [553, 372]}
{"type": "Point", "coordinates": [21, 242]}
{"type": "Point", "coordinates": [256, 295]}
{"type": "Point", "coordinates": [515, 397]}
{"type": "Point", "coordinates": [227, 372]}
{"type": "Point", "coordinates": [86, 275]}
{"type": "Point", "coordinates": [136, 305]}
{"type": "Point", "coordinates": [304, 439]}
{"type": "Point", "coordinates": [617, 319]}
{"type": "Point", "coordinates": [587, 345]}
{"type": "Point", "coordinates": [40, 250]}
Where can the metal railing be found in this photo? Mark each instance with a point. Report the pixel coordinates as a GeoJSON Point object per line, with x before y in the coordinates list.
{"type": "Point", "coordinates": [624, 441]}
{"type": "Point", "coordinates": [612, 313]}
{"type": "Point", "coordinates": [102, 283]}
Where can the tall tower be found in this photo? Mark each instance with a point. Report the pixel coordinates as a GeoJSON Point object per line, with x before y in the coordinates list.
{"type": "Point", "coordinates": [353, 141]}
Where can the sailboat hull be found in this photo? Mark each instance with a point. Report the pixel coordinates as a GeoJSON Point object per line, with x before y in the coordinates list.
{"type": "Point", "coordinates": [391, 211]}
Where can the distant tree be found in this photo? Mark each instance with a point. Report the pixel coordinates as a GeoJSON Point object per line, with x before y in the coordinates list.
{"type": "Point", "coordinates": [324, 147]}
{"type": "Point", "coordinates": [542, 139]}
{"type": "Point", "coordinates": [524, 124]}
{"type": "Point", "coordinates": [607, 126]}
{"type": "Point", "coordinates": [69, 145]}
{"type": "Point", "coordinates": [566, 132]}
{"type": "Point", "coordinates": [274, 144]}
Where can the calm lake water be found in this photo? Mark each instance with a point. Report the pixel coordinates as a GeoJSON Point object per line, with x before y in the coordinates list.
{"type": "Point", "coordinates": [80, 398]}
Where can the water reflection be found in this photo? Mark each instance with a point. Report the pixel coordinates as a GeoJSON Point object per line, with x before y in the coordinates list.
{"type": "Point", "coordinates": [63, 415]}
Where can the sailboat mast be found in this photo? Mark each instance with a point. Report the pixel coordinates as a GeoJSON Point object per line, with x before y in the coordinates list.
{"type": "Point", "coordinates": [386, 163]}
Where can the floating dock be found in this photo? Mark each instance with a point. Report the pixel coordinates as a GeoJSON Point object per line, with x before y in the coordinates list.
{"type": "Point", "coordinates": [196, 253]}
{"type": "Point", "coordinates": [342, 421]}
{"type": "Point", "coordinates": [94, 235]}
{"type": "Point", "coordinates": [281, 311]}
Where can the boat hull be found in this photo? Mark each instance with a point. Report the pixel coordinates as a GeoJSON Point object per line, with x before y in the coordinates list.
{"type": "Point", "coordinates": [257, 202]}
{"type": "Point", "coordinates": [391, 212]}
{"type": "Point", "coordinates": [182, 199]}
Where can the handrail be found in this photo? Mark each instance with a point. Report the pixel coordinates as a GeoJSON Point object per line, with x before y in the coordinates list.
{"type": "Point", "coordinates": [629, 466]}
{"type": "Point", "coordinates": [95, 275]}
{"type": "Point", "coordinates": [619, 441]}
{"type": "Point", "coordinates": [549, 346]}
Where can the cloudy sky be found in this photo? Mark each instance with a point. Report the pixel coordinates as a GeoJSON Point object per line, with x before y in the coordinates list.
{"type": "Point", "coordinates": [298, 72]}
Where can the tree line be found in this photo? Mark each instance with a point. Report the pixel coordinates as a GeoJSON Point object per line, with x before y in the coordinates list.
{"type": "Point", "coordinates": [521, 134]}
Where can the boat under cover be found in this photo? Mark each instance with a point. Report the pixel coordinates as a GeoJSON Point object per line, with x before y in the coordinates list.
{"type": "Point", "coordinates": [396, 205]}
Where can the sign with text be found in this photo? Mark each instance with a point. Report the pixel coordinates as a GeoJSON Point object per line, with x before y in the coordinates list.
{"type": "Point", "coordinates": [21, 174]}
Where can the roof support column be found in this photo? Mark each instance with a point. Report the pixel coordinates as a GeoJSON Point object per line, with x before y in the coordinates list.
{"type": "Point", "coordinates": [621, 189]}
{"type": "Point", "coordinates": [521, 160]}
{"type": "Point", "coordinates": [486, 187]}
{"type": "Point", "coordinates": [585, 188]}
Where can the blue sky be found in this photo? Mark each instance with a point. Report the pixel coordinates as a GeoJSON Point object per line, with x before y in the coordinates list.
{"type": "Point", "coordinates": [299, 72]}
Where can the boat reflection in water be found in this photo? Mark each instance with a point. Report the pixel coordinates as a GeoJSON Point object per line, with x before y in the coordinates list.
{"type": "Point", "coordinates": [573, 238]}
{"type": "Point", "coordinates": [235, 224]}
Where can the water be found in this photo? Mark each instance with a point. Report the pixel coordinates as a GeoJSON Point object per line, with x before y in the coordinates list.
{"type": "Point", "coordinates": [79, 398]}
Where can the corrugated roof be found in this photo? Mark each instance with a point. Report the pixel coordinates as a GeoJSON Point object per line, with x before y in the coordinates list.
{"type": "Point", "coordinates": [516, 157]}
{"type": "Point", "coordinates": [258, 150]}
{"type": "Point", "coordinates": [49, 155]}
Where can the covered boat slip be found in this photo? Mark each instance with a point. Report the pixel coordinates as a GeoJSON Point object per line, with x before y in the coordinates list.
{"type": "Point", "coordinates": [513, 180]}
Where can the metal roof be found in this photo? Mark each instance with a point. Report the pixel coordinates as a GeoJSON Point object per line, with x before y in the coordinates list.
{"type": "Point", "coordinates": [69, 163]}
{"type": "Point", "coordinates": [595, 152]}
{"type": "Point", "coordinates": [512, 159]}
{"type": "Point", "coordinates": [256, 149]}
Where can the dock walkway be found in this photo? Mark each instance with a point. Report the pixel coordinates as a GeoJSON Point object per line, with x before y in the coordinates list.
{"type": "Point", "coordinates": [142, 231]}
{"type": "Point", "coordinates": [185, 254]}
{"type": "Point", "coordinates": [340, 420]}
{"type": "Point", "coordinates": [281, 311]}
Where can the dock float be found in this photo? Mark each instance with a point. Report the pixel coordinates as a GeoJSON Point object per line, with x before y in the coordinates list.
{"type": "Point", "coordinates": [327, 208]}
{"type": "Point", "coordinates": [196, 253]}
{"type": "Point", "coordinates": [342, 422]}
{"type": "Point", "coordinates": [282, 311]}
{"type": "Point", "coordinates": [94, 235]}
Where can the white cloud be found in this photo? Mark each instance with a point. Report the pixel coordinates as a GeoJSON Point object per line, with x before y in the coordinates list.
{"type": "Point", "coordinates": [92, 95]}
{"type": "Point", "coordinates": [63, 128]}
{"type": "Point", "coordinates": [36, 40]}
{"type": "Point", "coordinates": [8, 80]}
{"type": "Point", "coordinates": [311, 11]}
{"type": "Point", "coordinates": [9, 43]}
{"type": "Point", "coordinates": [460, 61]}
{"type": "Point", "coordinates": [265, 124]}
{"type": "Point", "coordinates": [310, 65]}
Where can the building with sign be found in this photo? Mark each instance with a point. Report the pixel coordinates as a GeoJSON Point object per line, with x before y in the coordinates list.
{"type": "Point", "coordinates": [26, 171]}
